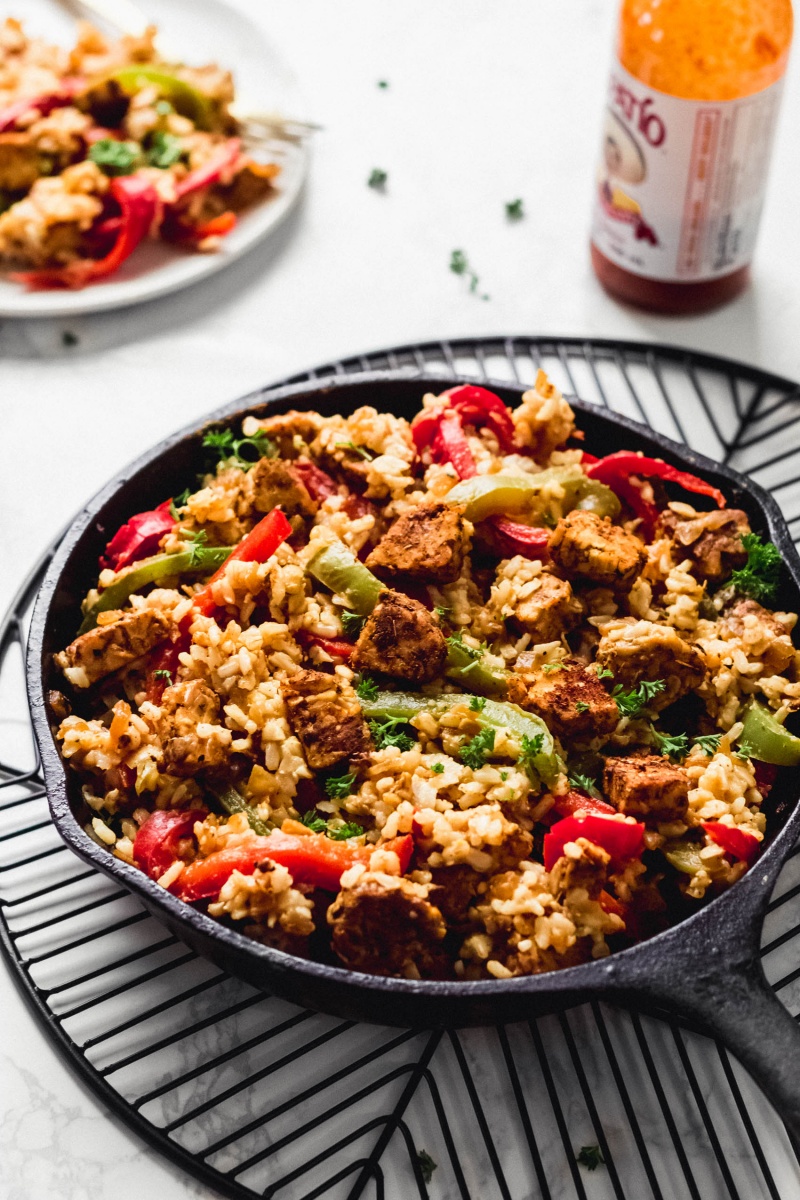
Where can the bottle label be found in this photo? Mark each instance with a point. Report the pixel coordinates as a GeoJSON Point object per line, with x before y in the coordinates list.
{"type": "Point", "coordinates": [681, 182]}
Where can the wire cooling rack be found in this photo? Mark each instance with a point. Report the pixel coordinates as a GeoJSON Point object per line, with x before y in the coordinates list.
{"type": "Point", "coordinates": [261, 1099]}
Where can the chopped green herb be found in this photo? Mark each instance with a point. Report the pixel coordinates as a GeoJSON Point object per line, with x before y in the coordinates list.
{"type": "Point", "coordinates": [744, 750]}
{"type": "Point", "coordinates": [459, 265]}
{"type": "Point", "coordinates": [590, 1157]}
{"type": "Point", "coordinates": [530, 748]}
{"type": "Point", "coordinates": [383, 83]}
{"type": "Point", "coordinates": [437, 768]}
{"type": "Point", "coordinates": [314, 822]}
{"type": "Point", "coordinates": [426, 1165]}
{"type": "Point", "coordinates": [474, 752]}
{"type": "Point", "coordinates": [68, 338]}
{"type": "Point", "coordinates": [584, 783]}
{"type": "Point", "coordinates": [633, 703]}
{"type": "Point", "coordinates": [477, 703]}
{"type": "Point", "coordinates": [197, 543]}
{"type": "Point", "coordinates": [352, 623]}
{"type": "Point", "coordinates": [367, 455]}
{"type": "Point", "coordinates": [177, 502]}
{"type": "Point", "coordinates": [390, 733]}
{"type": "Point", "coordinates": [113, 157]}
{"type": "Point", "coordinates": [673, 747]}
{"type": "Point", "coordinates": [244, 451]}
{"type": "Point", "coordinates": [504, 775]}
{"type": "Point", "coordinates": [339, 787]}
{"type": "Point", "coordinates": [377, 179]}
{"type": "Point", "coordinates": [759, 577]}
{"type": "Point", "coordinates": [604, 673]}
{"type": "Point", "coordinates": [163, 673]}
{"type": "Point", "coordinates": [581, 706]}
{"type": "Point", "coordinates": [441, 611]}
{"type": "Point", "coordinates": [514, 210]}
{"type": "Point", "coordinates": [165, 150]}
{"type": "Point", "coordinates": [548, 668]}
{"type": "Point", "coordinates": [342, 832]}
{"type": "Point", "coordinates": [709, 743]}
{"type": "Point", "coordinates": [367, 689]}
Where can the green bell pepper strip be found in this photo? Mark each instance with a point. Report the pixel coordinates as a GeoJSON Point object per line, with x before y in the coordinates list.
{"type": "Point", "coordinates": [495, 495]}
{"type": "Point", "coordinates": [494, 715]}
{"type": "Point", "coordinates": [185, 99]}
{"type": "Point", "coordinates": [232, 802]}
{"type": "Point", "coordinates": [338, 569]}
{"type": "Point", "coordinates": [767, 740]}
{"type": "Point", "coordinates": [467, 667]}
{"type": "Point", "coordinates": [200, 559]}
{"type": "Point", "coordinates": [685, 857]}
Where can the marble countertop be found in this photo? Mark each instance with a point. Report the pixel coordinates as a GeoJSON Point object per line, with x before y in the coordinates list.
{"type": "Point", "coordinates": [486, 102]}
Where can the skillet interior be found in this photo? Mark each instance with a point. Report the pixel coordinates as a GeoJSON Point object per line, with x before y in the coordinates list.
{"type": "Point", "coordinates": [630, 974]}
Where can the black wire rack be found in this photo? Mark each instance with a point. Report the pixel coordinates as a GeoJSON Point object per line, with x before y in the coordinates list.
{"type": "Point", "coordinates": [258, 1098]}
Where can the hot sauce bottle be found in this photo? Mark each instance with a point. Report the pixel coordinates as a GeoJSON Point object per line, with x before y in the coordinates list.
{"type": "Point", "coordinates": [692, 108]}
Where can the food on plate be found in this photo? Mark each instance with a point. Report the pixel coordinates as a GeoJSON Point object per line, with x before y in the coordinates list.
{"type": "Point", "coordinates": [105, 146]}
{"type": "Point", "coordinates": [447, 698]}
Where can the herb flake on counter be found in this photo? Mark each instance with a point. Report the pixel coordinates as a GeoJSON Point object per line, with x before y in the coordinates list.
{"type": "Point", "coordinates": [383, 84]}
{"type": "Point", "coordinates": [515, 210]}
{"type": "Point", "coordinates": [426, 1165]}
{"type": "Point", "coordinates": [590, 1157]}
{"type": "Point", "coordinates": [68, 338]}
{"type": "Point", "coordinates": [459, 265]}
{"type": "Point", "coordinates": [377, 179]}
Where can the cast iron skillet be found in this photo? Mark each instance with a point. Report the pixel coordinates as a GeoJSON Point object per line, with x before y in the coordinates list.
{"type": "Point", "coordinates": [706, 969]}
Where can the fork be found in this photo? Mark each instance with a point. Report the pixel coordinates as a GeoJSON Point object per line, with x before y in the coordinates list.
{"type": "Point", "coordinates": [256, 128]}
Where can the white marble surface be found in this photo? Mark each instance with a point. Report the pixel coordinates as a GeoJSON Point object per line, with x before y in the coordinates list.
{"type": "Point", "coordinates": [487, 102]}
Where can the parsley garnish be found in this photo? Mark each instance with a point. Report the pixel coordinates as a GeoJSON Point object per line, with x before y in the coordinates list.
{"type": "Point", "coordinates": [317, 824]}
{"type": "Point", "coordinates": [163, 673]}
{"type": "Point", "coordinates": [548, 668]}
{"type": "Point", "coordinates": [584, 783]}
{"type": "Point", "coordinates": [165, 149]}
{"type": "Point", "coordinates": [352, 623]}
{"type": "Point", "coordinates": [760, 575]}
{"type": "Point", "coordinates": [632, 703]}
{"type": "Point", "coordinates": [113, 157]}
{"type": "Point", "coordinates": [426, 1165]}
{"type": "Point", "coordinates": [581, 706]}
{"type": "Point", "coordinates": [197, 542]}
{"type": "Point", "coordinates": [473, 753]}
{"type": "Point", "coordinates": [177, 502]}
{"type": "Point", "coordinates": [673, 747]}
{"type": "Point", "coordinates": [245, 451]}
{"type": "Point", "coordinates": [744, 750]}
{"type": "Point", "coordinates": [459, 265]}
{"type": "Point", "coordinates": [590, 1157]}
{"type": "Point", "coordinates": [514, 210]}
{"type": "Point", "coordinates": [604, 673]}
{"type": "Point", "coordinates": [383, 83]}
{"type": "Point", "coordinates": [441, 611]}
{"type": "Point", "coordinates": [367, 689]}
{"type": "Point", "coordinates": [377, 179]}
{"type": "Point", "coordinates": [437, 768]}
{"type": "Point", "coordinates": [367, 455]}
{"type": "Point", "coordinates": [504, 775]}
{"type": "Point", "coordinates": [709, 743]}
{"type": "Point", "coordinates": [339, 787]}
{"type": "Point", "coordinates": [388, 733]}
{"type": "Point", "coordinates": [477, 703]}
{"type": "Point", "coordinates": [530, 748]}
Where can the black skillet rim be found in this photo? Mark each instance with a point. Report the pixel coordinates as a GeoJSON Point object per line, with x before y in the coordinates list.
{"type": "Point", "coordinates": [276, 965]}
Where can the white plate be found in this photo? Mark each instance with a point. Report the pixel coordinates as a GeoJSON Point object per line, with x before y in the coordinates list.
{"type": "Point", "coordinates": [206, 31]}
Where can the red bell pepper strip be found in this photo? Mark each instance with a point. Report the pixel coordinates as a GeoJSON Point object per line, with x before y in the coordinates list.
{"type": "Point", "coordinates": [218, 164]}
{"type": "Point", "coordinates": [477, 406]}
{"type": "Point", "coordinates": [318, 483]}
{"type": "Point", "coordinates": [574, 802]}
{"type": "Point", "coordinates": [139, 202]}
{"type": "Point", "coordinates": [138, 538]}
{"type": "Point", "coordinates": [624, 463]}
{"type": "Point", "coordinates": [621, 839]}
{"type": "Point", "coordinates": [180, 230]}
{"type": "Point", "coordinates": [166, 657]}
{"type": "Point", "coordinates": [611, 904]}
{"type": "Point", "coordinates": [43, 104]}
{"type": "Point", "coordinates": [310, 858]}
{"type": "Point", "coordinates": [260, 544]}
{"type": "Point", "coordinates": [450, 445]}
{"type": "Point", "coordinates": [766, 774]}
{"type": "Point", "coordinates": [336, 647]}
{"type": "Point", "coordinates": [155, 845]}
{"type": "Point", "coordinates": [511, 537]}
{"type": "Point", "coordinates": [734, 841]}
